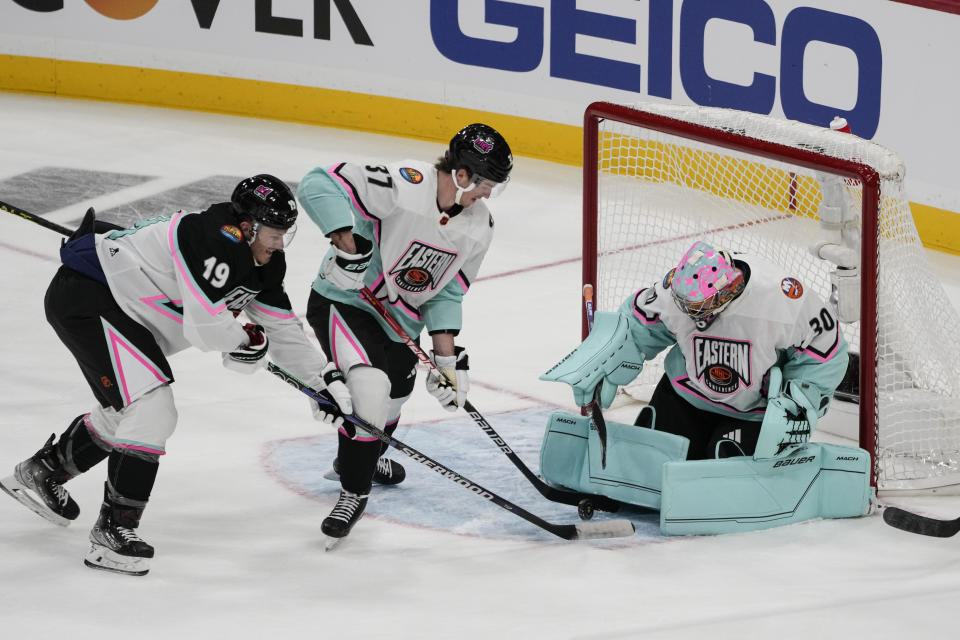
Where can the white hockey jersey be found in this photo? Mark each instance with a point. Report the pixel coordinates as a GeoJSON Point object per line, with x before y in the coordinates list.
{"type": "Point", "coordinates": [723, 367]}
{"type": "Point", "coordinates": [186, 277]}
{"type": "Point", "coordinates": [420, 269]}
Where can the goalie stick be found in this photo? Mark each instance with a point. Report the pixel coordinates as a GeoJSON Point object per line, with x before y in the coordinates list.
{"type": "Point", "coordinates": [584, 531]}
{"type": "Point", "coordinates": [596, 409]}
{"type": "Point", "coordinates": [915, 523]}
{"type": "Point", "coordinates": [549, 492]}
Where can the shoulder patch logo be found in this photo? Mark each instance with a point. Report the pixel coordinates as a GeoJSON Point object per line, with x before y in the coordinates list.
{"type": "Point", "coordinates": [668, 279]}
{"type": "Point", "coordinates": [791, 288]}
{"type": "Point", "coordinates": [411, 175]}
{"type": "Point", "coordinates": [232, 232]}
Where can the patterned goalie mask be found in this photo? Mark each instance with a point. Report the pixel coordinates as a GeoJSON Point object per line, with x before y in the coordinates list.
{"type": "Point", "coordinates": [704, 282]}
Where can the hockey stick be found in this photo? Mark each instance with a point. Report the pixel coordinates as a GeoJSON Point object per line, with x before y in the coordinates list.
{"type": "Point", "coordinates": [43, 222]}
{"type": "Point", "coordinates": [550, 493]}
{"type": "Point", "coordinates": [914, 523]}
{"type": "Point", "coordinates": [584, 531]}
{"type": "Point", "coordinates": [596, 412]}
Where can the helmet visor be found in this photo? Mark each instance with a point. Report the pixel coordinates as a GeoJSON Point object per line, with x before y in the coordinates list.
{"type": "Point", "coordinates": [275, 237]}
{"type": "Point", "coordinates": [487, 188]}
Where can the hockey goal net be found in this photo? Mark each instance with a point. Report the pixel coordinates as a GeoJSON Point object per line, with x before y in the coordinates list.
{"type": "Point", "coordinates": [657, 177]}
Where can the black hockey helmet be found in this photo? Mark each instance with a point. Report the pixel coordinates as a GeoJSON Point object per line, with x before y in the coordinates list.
{"type": "Point", "coordinates": [266, 199]}
{"type": "Point", "coordinates": [483, 151]}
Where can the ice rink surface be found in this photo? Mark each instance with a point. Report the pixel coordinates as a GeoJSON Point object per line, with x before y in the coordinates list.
{"type": "Point", "coordinates": [236, 510]}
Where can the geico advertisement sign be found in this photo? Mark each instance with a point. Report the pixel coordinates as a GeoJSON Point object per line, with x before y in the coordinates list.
{"type": "Point", "coordinates": [740, 54]}
{"type": "Point", "coordinates": [684, 38]}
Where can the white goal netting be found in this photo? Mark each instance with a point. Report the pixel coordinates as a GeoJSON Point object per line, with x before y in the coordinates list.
{"type": "Point", "coordinates": [659, 192]}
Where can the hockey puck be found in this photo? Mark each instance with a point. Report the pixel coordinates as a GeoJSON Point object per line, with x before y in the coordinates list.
{"type": "Point", "coordinates": [585, 509]}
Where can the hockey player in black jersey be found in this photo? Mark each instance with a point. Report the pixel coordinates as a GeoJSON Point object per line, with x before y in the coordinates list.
{"type": "Point", "coordinates": [126, 299]}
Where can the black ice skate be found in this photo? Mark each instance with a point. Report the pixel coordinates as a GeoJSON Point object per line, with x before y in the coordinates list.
{"type": "Point", "coordinates": [345, 514]}
{"type": "Point", "coordinates": [114, 543]}
{"type": "Point", "coordinates": [387, 472]}
{"type": "Point", "coordinates": [37, 483]}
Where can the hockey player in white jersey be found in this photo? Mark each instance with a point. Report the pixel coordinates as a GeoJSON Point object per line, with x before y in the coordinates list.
{"type": "Point", "coordinates": [415, 234]}
{"type": "Point", "coordinates": [125, 300]}
{"type": "Point", "coordinates": [754, 360]}
{"type": "Point", "coordinates": [730, 319]}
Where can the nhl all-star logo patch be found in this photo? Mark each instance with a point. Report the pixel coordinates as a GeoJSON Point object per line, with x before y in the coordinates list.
{"type": "Point", "coordinates": [421, 267]}
{"type": "Point", "coordinates": [723, 365]}
{"type": "Point", "coordinates": [232, 232]}
{"type": "Point", "coordinates": [483, 144]}
{"type": "Point", "coordinates": [791, 288]}
{"type": "Point", "coordinates": [411, 175]}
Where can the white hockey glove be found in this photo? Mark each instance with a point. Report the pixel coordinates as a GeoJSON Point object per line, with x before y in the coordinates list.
{"type": "Point", "coordinates": [335, 388]}
{"type": "Point", "coordinates": [790, 418]}
{"type": "Point", "coordinates": [346, 270]}
{"type": "Point", "coordinates": [248, 357]}
{"type": "Point", "coordinates": [450, 389]}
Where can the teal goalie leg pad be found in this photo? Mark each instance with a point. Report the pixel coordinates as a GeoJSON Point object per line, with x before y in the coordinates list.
{"type": "Point", "coordinates": [570, 457]}
{"type": "Point", "coordinates": [743, 494]}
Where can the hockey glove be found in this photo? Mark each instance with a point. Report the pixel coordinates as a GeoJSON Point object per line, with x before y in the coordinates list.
{"type": "Point", "coordinates": [608, 358]}
{"type": "Point", "coordinates": [789, 420]}
{"type": "Point", "coordinates": [451, 386]}
{"type": "Point", "coordinates": [249, 357]}
{"type": "Point", "coordinates": [346, 270]}
{"type": "Point", "coordinates": [333, 413]}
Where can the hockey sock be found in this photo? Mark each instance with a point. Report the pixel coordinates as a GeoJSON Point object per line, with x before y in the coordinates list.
{"type": "Point", "coordinates": [131, 475]}
{"type": "Point", "coordinates": [78, 450]}
{"type": "Point", "coordinates": [357, 462]}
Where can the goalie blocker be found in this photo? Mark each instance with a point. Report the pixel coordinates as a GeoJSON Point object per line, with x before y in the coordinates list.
{"type": "Point", "coordinates": [648, 468]}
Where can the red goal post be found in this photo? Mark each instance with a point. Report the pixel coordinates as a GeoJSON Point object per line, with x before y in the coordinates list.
{"type": "Point", "coordinates": [658, 176]}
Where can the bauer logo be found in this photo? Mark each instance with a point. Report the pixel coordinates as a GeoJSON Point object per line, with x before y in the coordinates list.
{"type": "Point", "coordinates": [792, 461]}
{"type": "Point", "coordinates": [791, 288]}
{"type": "Point", "coordinates": [232, 232]}
{"type": "Point", "coordinates": [411, 175]}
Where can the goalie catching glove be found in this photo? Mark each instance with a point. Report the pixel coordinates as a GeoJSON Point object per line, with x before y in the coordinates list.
{"type": "Point", "coordinates": [248, 357]}
{"type": "Point", "coordinates": [334, 389]}
{"type": "Point", "coordinates": [790, 418]}
{"type": "Point", "coordinates": [608, 357]}
{"type": "Point", "coordinates": [346, 270]}
{"type": "Point", "coordinates": [451, 384]}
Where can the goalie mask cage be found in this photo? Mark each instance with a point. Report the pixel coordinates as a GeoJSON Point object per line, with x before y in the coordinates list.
{"type": "Point", "coordinates": [658, 176]}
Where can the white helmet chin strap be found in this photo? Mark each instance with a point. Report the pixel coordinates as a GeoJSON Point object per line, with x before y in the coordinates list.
{"type": "Point", "coordinates": [460, 190]}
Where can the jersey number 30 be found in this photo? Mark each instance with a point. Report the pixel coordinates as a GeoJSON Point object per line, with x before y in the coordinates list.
{"type": "Point", "coordinates": [824, 322]}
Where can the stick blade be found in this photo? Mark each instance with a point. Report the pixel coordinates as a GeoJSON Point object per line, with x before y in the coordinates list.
{"type": "Point", "coordinates": [603, 529]}
{"type": "Point", "coordinates": [914, 523]}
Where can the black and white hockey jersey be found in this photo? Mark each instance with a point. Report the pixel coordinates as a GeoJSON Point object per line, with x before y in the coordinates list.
{"type": "Point", "coordinates": [186, 277]}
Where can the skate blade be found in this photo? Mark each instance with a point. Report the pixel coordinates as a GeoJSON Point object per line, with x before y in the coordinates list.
{"type": "Point", "coordinates": [12, 487]}
{"type": "Point", "coordinates": [106, 560]}
{"type": "Point", "coordinates": [331, 543]}
{"type": "Point", "coordinates": [332, 475]}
